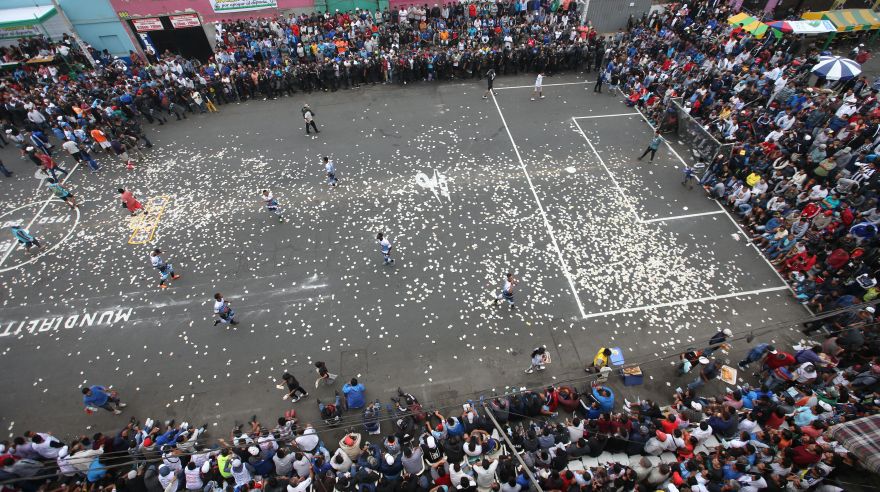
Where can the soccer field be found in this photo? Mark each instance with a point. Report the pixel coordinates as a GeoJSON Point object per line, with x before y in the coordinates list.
{"type": "Point", "coordinates": [608, 250]}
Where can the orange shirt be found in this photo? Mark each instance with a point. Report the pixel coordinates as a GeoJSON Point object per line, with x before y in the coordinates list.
{"type": "Point", "coordinates": [98, 135]}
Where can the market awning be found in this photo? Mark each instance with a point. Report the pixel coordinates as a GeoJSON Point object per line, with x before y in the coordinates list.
{"type": "Point", "coordinates": [804, 26]}
{"type": "Point", "coordinates": [25, 16]}
{"type": "Point", "coordinates": [847, 19]}
{"type": "Point", "coordinates": [749, 24]}
{"type": "Point", "coordinates": [861, 437]}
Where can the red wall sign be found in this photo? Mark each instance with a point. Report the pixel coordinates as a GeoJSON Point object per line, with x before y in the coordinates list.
{"type": "Point", "coordinates": [189, 20]}
{"type": "Point", "coordinates": [147, 24]}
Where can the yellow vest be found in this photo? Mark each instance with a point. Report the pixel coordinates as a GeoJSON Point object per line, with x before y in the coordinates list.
{"type": "Point", "coordinates": [221, 464]}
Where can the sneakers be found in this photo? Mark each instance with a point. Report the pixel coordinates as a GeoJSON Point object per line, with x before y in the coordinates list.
{"type": "Point", "coordinates": [529, 370]}
{"type": "Point", "coordinates": [163, 286]}
{"type": "Point", "coordinates": [541, 368]}
{"type": "Point", "coordinates": [294, 399]}
{"type": "Point", "coordinates": [542, 96]}
{"type": "Point", "coordinates": [117, 412]}
{"type": "Point", "coordinates": [216, 322]}
{"type": "Point", "coordinates": [485, 97]}
{"type": "Point", "coordinates": [533, 99]}
{"type": "Point", "coordinates": [175, 276]}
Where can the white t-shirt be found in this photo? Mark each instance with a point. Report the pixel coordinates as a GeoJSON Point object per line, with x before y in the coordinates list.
{"type": "Point", "coordinates": [70, 147]}
{"type": "Point", "coordinates": [218, 305]}
{"type": "Point", "coordinates": [538, 81]}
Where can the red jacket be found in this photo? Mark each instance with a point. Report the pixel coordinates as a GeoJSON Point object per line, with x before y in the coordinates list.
{"type": "Point", "coordinates": [47, 161]}
{"type": "Point", "coordinates": [782, 359]}
{"type": "Point", "coordinates": [837, 259]}
{"type": "Point", "coordinates": [802, 456]}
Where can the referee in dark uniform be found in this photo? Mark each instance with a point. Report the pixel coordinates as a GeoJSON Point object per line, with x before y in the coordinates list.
{"type": "Point", "coordinates": [490, 77]}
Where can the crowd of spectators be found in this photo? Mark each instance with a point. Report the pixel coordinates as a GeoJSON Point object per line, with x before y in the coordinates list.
{"type": "Point", "coordinates": [773, 436]}
{"type": "Point", "coordinates": [802, 170]}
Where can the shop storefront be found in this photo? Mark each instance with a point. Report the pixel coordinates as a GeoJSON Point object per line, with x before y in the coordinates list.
{"type": "Point", "coordinates": [25, 22]}
{"type": "Point", "coordinates": [181, 34]}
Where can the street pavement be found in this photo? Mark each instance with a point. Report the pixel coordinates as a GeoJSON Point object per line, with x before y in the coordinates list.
{"type": "Point", "coordinates": [609, 251]}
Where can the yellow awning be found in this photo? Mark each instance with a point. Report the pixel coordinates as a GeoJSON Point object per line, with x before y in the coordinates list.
{"type": "Point", "coordinates": [749, 24]}
{"type": "Point", "coordinates": [847, 19]}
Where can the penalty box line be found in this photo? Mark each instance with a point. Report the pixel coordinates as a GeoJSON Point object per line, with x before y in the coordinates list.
{"type": "Point", "coordinates": [542, 85]}
{"type": "Point", "coordinates": [684, 302]}
{"type": "Point", "coordinates": [735, 223]}
{"type": "Point", "coordinates": [547, 225]}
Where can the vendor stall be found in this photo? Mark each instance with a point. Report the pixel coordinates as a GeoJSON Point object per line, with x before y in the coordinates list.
{"type": "Point", "coordinates": [749, 24]}
{"type": "Point", "coordinates": [25, 22]}
{"type": "Point", "coordinates": [847, 20]}
{"type": "Point", "coordinates": [805, 27]}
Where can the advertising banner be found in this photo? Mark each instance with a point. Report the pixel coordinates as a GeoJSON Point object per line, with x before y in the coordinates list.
{"type": "Point", "coordinates": [19, 32]}
{"type": "Point", "coordinates": [222, 6]}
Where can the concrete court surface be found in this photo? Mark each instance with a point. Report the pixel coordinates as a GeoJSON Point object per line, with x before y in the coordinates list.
{"type": "Point", "coordinates": [467, 189]}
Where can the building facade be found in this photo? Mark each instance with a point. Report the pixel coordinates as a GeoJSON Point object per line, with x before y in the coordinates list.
{"type": "Point", "coordinates": [95, 21]}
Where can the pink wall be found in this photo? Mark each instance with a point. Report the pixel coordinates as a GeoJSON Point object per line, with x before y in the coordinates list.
{"type": "Point", "coordinates": [137, 8]}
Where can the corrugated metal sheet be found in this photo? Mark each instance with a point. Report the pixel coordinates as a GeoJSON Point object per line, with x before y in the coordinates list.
{"type": "Point", "coordinates": [610, 15]}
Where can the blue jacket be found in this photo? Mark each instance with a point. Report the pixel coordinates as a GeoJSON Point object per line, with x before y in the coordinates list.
{"type": "Point", "coordinates": [98, 398]}
{"type": "Point", "coordinates": [354, 395]}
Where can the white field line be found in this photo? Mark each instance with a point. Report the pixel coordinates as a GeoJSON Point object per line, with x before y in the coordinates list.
{"type": "Point", "coordinates": [525, 171]}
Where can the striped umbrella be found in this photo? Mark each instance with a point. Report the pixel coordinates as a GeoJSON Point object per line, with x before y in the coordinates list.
{"type": "Point", "coordinates": [836, 68]}
{"type": "Point", "coordinates": [782, 26]}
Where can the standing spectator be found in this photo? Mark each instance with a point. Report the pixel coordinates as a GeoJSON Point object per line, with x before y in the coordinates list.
{"type": "Point", "coordinates": [309, 117]}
